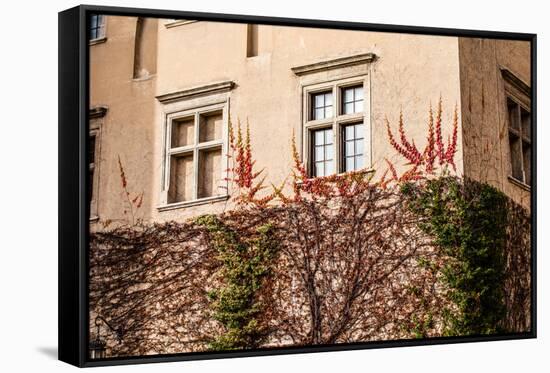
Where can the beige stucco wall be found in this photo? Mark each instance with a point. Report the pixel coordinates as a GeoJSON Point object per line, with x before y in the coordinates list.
{"type": "Point", "coordinates": [410, 72]}
{"type": "Point", "coordinates": [484, 113]}
{"type": "Point", "coordinates": [127, 129]}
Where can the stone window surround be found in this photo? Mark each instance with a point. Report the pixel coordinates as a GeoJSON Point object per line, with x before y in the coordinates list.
{"type": "Point", "coordinates": [96, 115]}
{"type": "Point", "coordinates": [335, 74]}
{"type": "Point", "coordinates": [184, 103]}
{"type": "Point", "coordinates": [520, 92]}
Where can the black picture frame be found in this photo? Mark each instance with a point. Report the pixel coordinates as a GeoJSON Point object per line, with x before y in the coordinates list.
{"type": "Point", "coordinates": [74, 82]}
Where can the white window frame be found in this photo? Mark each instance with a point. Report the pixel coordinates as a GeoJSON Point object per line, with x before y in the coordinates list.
{"type": "Point", "coordinates": [338, 120]}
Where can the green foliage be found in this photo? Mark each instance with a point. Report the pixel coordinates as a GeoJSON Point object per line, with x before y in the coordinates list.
{"type": "Point", "coordinates": [245, 265]}
{"type": "Point", "coordinates": [468, 220]}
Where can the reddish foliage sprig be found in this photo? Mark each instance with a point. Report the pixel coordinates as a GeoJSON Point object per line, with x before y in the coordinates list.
{"type": "Point", "coordinates": [423, 163]}
{"type": "Point", "coordinates": [438, 134]}
{"type": "Point", "coordinates": [429, 152]}
{"type": "Point", "coordinates": [242, 171]}
{"type": "Point", "coordinates": [132, 203]}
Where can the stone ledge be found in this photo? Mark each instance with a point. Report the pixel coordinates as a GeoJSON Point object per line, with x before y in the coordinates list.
{"type": "Point", "coordinates": [98, 111]}
{"type": "Point", "coordinates": [179, 22]}
{"type": "Point", "coordinates": [98, 40]}
{"type": "Point", "coordinates": [196, 91]}
{"type": "Point", "coordinates": [336, 63]}
{"type": "Point", "coordinates": [513, 79]}
{"type": "Point", "coordinates": [196, 202]}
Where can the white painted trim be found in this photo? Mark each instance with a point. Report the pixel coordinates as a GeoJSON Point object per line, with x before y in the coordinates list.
{"type": "Point", "coordinates": [193, 107]}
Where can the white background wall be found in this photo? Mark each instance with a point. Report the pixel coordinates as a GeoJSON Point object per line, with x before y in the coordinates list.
{"type": "Point", "coordinates": [28, 185]}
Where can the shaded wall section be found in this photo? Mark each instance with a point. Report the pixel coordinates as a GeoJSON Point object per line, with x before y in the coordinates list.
{"type": "Point", "coordinates": [484, 110]}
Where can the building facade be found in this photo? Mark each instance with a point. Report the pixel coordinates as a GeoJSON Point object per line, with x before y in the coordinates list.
{"type": "Point", "coordinates": [164, 92]}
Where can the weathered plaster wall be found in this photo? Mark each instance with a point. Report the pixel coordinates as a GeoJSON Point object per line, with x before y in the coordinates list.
{"type": "Point", "coordinates": [484, 112]}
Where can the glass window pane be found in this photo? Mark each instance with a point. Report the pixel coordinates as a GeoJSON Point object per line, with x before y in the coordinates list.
{"type": "Point", "coordinates": [527, 162]}
{"type": "Point", "coordinates": [350, 148]}
{"type": "Point", "coordinates": [181, 178]}
{"type": "Point", "coordinates": [358, 106]}
{"type": "Point", "coordinates": [348, 108]}
{"type": "Point", "coordinates": [329, 136]}
{"type": "Point", "coordinates": [319, 169]}
{"type": "Point", "coordinates": [210, 172]}
{"type": "Point", "coordinates": [319, 114]}
{"type": "Point", "coordinates": [328, 99]}
{"type": "Point", "coordinates": [525, 123]}
{"type": "Point", "coordinates": [359, 162]}
{"type": "Point", "coordinates": [93, 21]}
{"type": "Point", "coordinates": [183, 132]}
{"type": "Point", "coordinates": [210, 127]}
{"type": "Point", "coordinates": [349, 133]}
{"type": "Point", "coordinates": [328, 112]}
{"type": "Point", "coordinates": [348, 95]}
{"type": "Point", "coordinates": [319, 153]}
{"type": "Point", "coordinates": [515, 157]}
{"type": "Point", "coordinates": [359, 146]}
{"type": "Point", "coordinates": [512, 114]}
{"type": "Point", "coordinates": [359, 131]}
{"type": "Point", "coordinates": [319, 138]}
{"type": "Point", "coordinates": [359, 93]}
{"type": "Point", "coordinates": [329, 168]}
{"type": "Point", "coordinates": [329, 152]}
{"type": "Point", "coordinates": [349, 164]}
{"type": "Point", "coordinates": [319, 100]}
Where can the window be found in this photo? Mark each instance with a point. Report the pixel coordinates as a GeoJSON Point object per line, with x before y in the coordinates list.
{"type": "Point", "coordinates": [335, 131]}
{"type": "Point", "coordinates": [519, 136]}
{"type": "Point", "coordinates": [352, 100]}
{"type": "Point", "coordinates": [91, 166]}
{"type": "Point", "coordinates": [96, 115]}
{"type": "Point", "coordinates": [97, 26]}
{"type": "Point", "coordinates": [353, 145]}
{"type": "Point", "coordinates": [322, 105]}
{"type": "Point", "coordinates": [323, 152]}
{"type": "Point", "coordinates": [194, 155]}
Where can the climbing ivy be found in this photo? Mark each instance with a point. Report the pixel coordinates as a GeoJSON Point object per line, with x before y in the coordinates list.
{"type": "Point", "coordinates": [244, 267]}
{"type": "Point", "coordinates": [468, 221]}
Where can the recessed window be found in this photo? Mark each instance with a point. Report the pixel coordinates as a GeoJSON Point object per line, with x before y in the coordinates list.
{"type": "Point", "coordinates": [353, 146]}
{"type": "Point", "coordinates": [335, 128]}
{"type": "Point", "coordinates": [321, 105]}
{"type": "Point", "coordinates": [323, 152]}
{"type": "Point", "coordinates": [519, 136]}
{"type": "Point", "coordinates": [194, 157]}
{"type": "Point", "coordinates": [97, 26]}
{"type": "Point", "coordinates": [352, 100]}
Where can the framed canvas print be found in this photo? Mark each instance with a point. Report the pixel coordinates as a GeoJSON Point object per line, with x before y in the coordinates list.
{"type": "Point", "coordinates": [234, 185]}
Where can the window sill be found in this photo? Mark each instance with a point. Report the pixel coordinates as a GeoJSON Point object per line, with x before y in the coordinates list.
{"type": "Point", "coordinates": [98, 41]}
{"type": "Point", "coordinates": [94, 219]}
{"type": "Point", "coordinates": [144, 78]}
{"type": "Point", "coordinates": [369, 170]}
{"type": "Point", "coordinates": [519, 183]}
{"type": "Point", "coordinates": [195, 202]}
{"type": "Point", "coordinates": [179, 22]}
